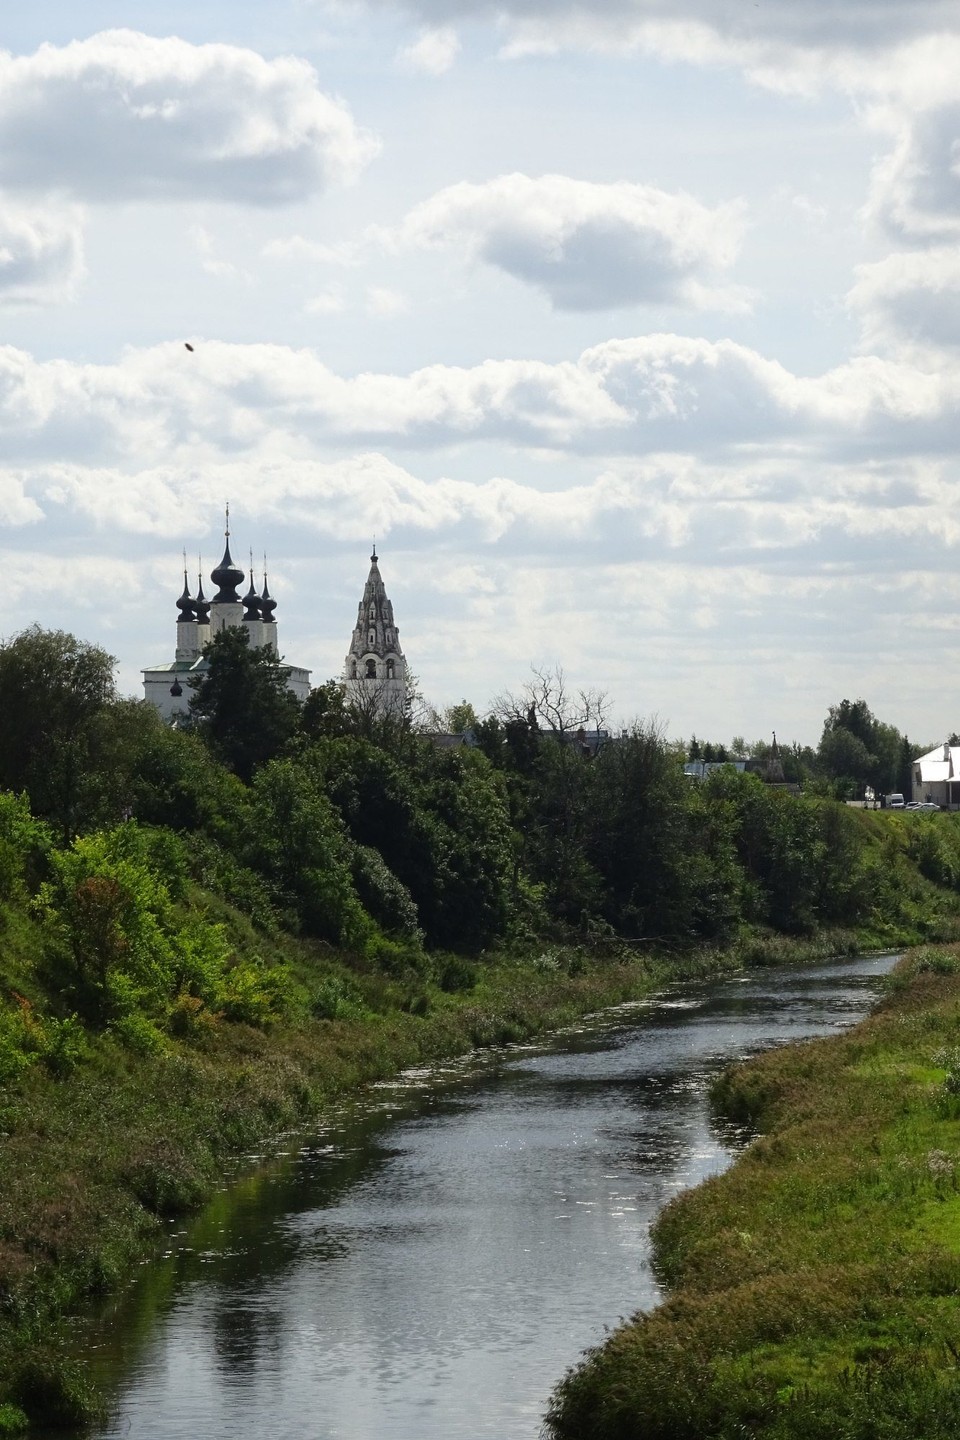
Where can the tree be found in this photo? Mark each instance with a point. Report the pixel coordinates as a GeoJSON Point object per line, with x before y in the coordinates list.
{"type": "Point", "coordinates": [547, 701]}
{"type": "Point", "coordinates": [241, 706]}
{"type": "Point", "coordinates": [458, 718]}
{"type": "Point", "coordinates": [53, 690]}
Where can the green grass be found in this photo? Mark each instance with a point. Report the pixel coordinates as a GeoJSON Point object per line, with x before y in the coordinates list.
{"type": "Point", "coordinates": [94, 1161]}
{"type": "Point", "coordinates": [814, 1288]}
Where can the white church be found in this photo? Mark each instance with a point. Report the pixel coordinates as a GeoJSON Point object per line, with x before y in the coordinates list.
{"type": "Point", "coordinates": [375, 671]}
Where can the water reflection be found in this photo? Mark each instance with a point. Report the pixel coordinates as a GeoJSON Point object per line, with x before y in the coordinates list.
{"type": "Point", "coordinates": [428, 1266]}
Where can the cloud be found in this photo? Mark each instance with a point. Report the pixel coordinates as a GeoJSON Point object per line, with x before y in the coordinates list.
{"type": "Point", "coordinates": [328, 302]}
{"type": "Point", "coordinates": [915, 193]}
{"type": "Point", "coordinates": [587, 246]}
{"type": "Point", "coordinates": [647, 395]}
{"type": "Point", "coordinates": [385, 303]}
{"type": "Point", "coordinates": [41, 253]}
{"type": "Point", "coordinates": [298, 247]}
{"type": "Point", "coordinates": [433, 53]}
{"type": "Point", "coordinates": [210, 261]}
{"type": "Point", "coordinates": [123, 115]}
{"type": "Point", "coordinates": [910, 298]}
{"type": "Point", "coordinates": [785, 42]}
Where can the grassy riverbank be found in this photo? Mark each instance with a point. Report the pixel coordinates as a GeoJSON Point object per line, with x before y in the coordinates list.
{"type": "Point", "coordinates": [98, 1157]}
{"type": "Point", "coordinates": [96, 1161]}
{"type": "Point", "coordinates": [814, 1288]}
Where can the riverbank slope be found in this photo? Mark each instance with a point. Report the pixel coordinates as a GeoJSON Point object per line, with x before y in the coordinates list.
{"type": "Point", "coordinates": [814, 1288]}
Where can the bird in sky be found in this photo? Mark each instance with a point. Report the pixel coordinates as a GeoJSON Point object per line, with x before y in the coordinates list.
{"type": "Point", "coordinates": [188, 345]}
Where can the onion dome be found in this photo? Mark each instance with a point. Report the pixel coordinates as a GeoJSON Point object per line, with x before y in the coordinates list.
{"type": "Point", "coordinates": [185, 605]}
{"type": "Point", "coordinates": [252, 602]}
{"type": "Point", "coordinates": [176, 689]}
{"type": "Point", "coordinates": [267, 606]}
{"type": "Point", "coordinates": [201, 605]}
{"type": "Point", "coordinates": [227, 576]}
{"type": "Point", "coordinates": [267, 602]}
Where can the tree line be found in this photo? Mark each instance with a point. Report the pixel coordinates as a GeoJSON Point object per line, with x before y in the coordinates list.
{"type": "Point", "coordinates": [351, 828]}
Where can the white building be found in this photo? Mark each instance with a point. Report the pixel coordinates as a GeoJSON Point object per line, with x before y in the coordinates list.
{"type": "Point", "coordinates": [936, 776]}
{"type": "Point", "coordinates": [170, 686]}
{"type": "Point", "coordinates": [375, 671]}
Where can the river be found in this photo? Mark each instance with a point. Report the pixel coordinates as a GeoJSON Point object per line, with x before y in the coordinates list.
{"type": "Point", "coordinates": [428, 1265]}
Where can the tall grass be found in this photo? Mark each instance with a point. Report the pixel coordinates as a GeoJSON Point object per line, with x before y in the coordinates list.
{"type": "Point", "coordinates": [815, 1286]}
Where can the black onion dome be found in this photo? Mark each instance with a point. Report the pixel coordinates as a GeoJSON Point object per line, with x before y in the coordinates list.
{"type": "Point", "coordinates": [251, 603]}
{"type": "Point", "coordinates": [201, 605]}
{"type": "Point", "coordinates": [267, 604]}
{"type": "Point", "coordinates": [226, 577]}
{"type": "Point", "coordinates": [185, 605]}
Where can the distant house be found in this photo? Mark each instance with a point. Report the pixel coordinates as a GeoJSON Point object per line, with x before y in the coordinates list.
{"type": "Point", "coordinates": [936, 776]}
{"type": "Point", "coordinates": [700, 769]}
{"type": "Point", "coordinates": [769, 768]}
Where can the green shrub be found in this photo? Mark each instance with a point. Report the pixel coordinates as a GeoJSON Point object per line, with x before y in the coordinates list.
{"type": "Point", "coordinates": [336, 999]}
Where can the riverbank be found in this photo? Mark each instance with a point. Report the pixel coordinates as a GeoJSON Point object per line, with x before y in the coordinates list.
{"type": "Point", "coordinates": [96, 1161]}
{"type": "Point", "coordinates": [99, 1157]}
{"type": "Point", "coordinates": [814, 1288]}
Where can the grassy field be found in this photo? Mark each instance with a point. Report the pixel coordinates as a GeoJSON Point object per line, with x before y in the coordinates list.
{"type": "Point", "coordinates": [814, 1288]}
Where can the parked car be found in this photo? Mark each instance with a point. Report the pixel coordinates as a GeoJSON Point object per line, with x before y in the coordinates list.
{"type": "Point", "coordinates": [894, 801]}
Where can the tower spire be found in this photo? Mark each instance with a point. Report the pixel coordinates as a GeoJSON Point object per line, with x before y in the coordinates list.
{"type": "Point", "coordinates": [267, 603]}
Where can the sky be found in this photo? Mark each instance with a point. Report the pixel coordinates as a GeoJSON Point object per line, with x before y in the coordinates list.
{"type": "Point", "coordinates": [629, 330]}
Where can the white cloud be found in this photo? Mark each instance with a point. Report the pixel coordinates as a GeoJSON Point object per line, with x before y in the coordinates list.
{"type": "Point", "coordinates": [793, 43]}
{"type": "Point", "coordinates": [587, 246]}
{"type": "Point", "coordinates": [646, 395]}
{"type": "Point", "coordinates": [328, 302]}
{"type": "Point", "coordinates": [916, 188]}
{"type": "Point", "coordinates": [910, 298]}
{"type": "Point", "coordinates": [41, 253]}
{"type": "Point", "coordinates": [211, 263]}
{"type": "Point", "coordinates": [385, 302]}
{"type": "Point", "coordinates": [434, 52]}
{"type": "Point", "coordinates": [298, 247]}
{"type": "Point", "coordinates": [123, 115]}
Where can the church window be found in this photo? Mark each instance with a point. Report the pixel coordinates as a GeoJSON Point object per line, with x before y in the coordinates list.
{"type": "Point", "coordinates": [390, 669]}
{"type": "Point", "coordinates": [353, 669]}
{"type": "Point", "coordinates": [371, 669]}
{"type": "Point", "coordinates": [373, 637]}
{"type": "Point", "coordinates": [373, 612]}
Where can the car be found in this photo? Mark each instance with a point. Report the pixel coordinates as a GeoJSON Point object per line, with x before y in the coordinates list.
{"type": "Point", "coordinates": [894, 801]}
{"type": "Point", "coordinates": [921, 805]}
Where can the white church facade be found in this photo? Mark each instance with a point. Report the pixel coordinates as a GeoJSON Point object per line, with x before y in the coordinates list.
{"type": "Point", "coordinates": [170, 686]}
{"type": "Point", "coordinates": [375, 672]}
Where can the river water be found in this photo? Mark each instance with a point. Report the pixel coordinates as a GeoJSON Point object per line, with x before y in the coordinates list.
{"type": "Point", "coordinates": [428, 1266]}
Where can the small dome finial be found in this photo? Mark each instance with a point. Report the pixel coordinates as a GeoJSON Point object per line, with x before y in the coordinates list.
{"type": "Point", "coordinates": [267, 602]}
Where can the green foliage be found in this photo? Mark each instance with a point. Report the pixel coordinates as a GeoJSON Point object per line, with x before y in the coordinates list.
{"type": "Point", "coordinates": [242, 707]}
{"type": "Point", "coordinates": [299, 843]}
{"type": "Point", "coordinates": [124, 952]}
{"type": "Point", "coordinates": [25, 844]}
{"type": "Point", "coordinates": [54, 689]}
